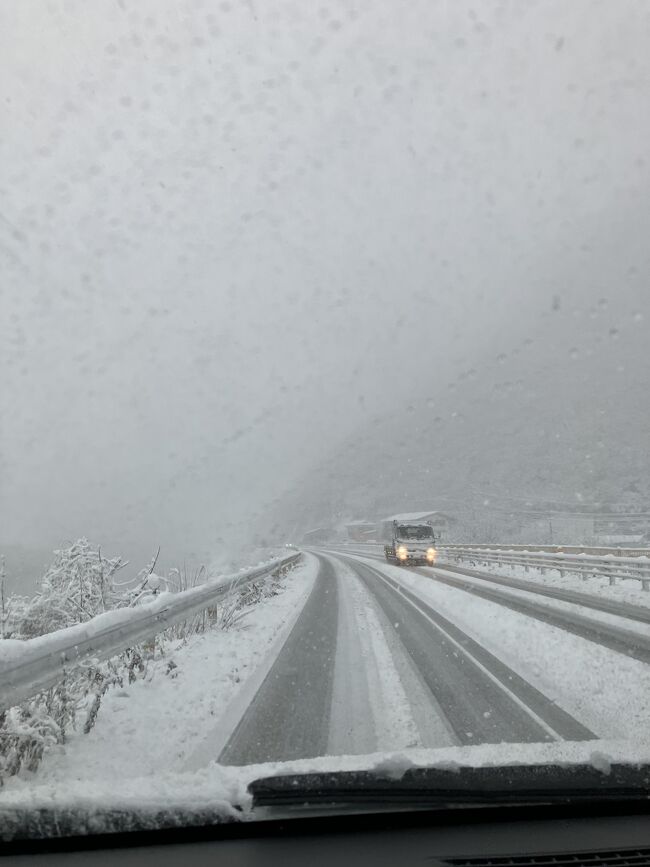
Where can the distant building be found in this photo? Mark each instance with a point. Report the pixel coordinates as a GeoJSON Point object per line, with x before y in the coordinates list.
{"type": "Point", "coordinates": [439, 521]}
{"type": "Point", "coordinates": [566, 528]}
{"type": "Point", "coordinates": [625, 540]}
{"type": "Point", "coordinates": [317, 536]}
{"type": "Point", "coordinates": [361, 531]}
{"type": "Point", "coordinates": [621, 524]}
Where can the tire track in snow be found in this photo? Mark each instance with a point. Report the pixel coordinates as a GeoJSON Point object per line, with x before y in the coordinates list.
{"type": "Point", "coordinates": [626, 610]}
{"type": "Point", "coordinates": [616, 638]}
{"type": "Point", "coordinates": [289, 717]}
{"type": "Point", "coordinates": [352, 722]}
{"type": "Point", "coordinates": [484, 700]}
{"type": "Point", "coordinates": [373, 672]}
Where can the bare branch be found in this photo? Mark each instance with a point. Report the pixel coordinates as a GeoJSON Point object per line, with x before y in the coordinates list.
{"type": "Point", "coordinates": [155, 560]}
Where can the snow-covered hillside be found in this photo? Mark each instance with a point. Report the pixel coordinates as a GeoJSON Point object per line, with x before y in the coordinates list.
{"type": "Point", "coordinates": [556, 418]}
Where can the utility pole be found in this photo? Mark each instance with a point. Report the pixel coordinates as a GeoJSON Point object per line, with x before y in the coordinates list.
{"type": "Point", "coordinates": [3, 613]}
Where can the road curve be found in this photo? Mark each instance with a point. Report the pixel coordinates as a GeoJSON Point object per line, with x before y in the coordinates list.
{"type": "Point", "coordinates": [290, 714]}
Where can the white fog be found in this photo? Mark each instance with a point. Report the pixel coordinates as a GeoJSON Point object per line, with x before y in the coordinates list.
{"type": "Point", "coordinates": [236, 235]}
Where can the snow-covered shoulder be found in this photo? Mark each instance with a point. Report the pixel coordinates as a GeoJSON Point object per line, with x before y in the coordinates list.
{"type": "Point", "coordinates": [151, 727]}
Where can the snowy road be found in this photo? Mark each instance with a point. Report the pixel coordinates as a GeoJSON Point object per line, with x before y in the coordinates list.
{"type": "Point", "coordinates": [622, 609]}
{"type": "Point", "coordinates": [484, 700]}
{"type": "Point", "coordinates": [357, 657]}
{"type": "Point", "coordinates": [289, 716]}
{"type": "Point", "coordinates": [608, 631]}
{"type": "Point", "coordinates": [372, 663]}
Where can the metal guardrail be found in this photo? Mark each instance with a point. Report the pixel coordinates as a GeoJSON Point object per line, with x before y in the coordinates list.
{"type": "Point", "coordinates": [610, 563]}
{"type": "Point", "coordinates": [555, 549]}
{"type": "Point", "coordinates": [43, 661]}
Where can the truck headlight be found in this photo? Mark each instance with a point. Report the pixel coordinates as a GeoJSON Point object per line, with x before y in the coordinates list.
{"type": "Point", "coordinates": [402, 552]}
{"type": "Point", "coordinates": [431, 554]}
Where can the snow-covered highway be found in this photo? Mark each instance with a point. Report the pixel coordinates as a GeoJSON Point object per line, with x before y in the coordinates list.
{"type": "Point", "coordinates": [627, 631]}
{"type": "Point", "coordinates": [355, 657]}
{"type": "Point", "coordinates": [453, 681]}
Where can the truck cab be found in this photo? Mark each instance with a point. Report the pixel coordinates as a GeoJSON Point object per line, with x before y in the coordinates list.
{"type": "Point", "coordinates": [411, 544]}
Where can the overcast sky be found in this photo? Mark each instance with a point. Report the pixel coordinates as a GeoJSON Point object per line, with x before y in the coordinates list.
{"type": "Point", "coordinates": [232, 233]}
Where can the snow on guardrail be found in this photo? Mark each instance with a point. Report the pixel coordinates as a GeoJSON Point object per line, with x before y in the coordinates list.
{"type": "Point", "coordinates": [612, 563]}
{"type": "Point", "coordinates": [28, 667]}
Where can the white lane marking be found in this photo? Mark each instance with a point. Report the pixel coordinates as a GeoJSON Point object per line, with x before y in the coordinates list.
{"type": "Point", "coordinates": [515, 698]}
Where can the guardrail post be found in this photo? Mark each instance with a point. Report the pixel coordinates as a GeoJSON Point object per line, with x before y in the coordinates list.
{"type": "Point", "coordinates": [611, 575]}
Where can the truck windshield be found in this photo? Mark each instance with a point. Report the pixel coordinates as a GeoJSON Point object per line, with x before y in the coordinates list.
{"type": "Point", "coordinates": [414, 531]}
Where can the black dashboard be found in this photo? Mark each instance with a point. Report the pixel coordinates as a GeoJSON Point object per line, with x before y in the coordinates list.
{"type": "Point", "coordinates": [617, 836]}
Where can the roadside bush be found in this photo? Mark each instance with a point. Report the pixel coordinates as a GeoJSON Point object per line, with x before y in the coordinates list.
{"type": "Point", "coordinates": [79, 585]}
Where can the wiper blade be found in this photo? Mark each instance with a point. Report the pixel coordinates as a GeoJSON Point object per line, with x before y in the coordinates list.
{"type": "Point", "coordinates": [451, 787]}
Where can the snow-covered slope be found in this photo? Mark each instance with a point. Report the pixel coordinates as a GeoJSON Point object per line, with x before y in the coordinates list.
{"type": "Point", "coordinates": [555, 416]}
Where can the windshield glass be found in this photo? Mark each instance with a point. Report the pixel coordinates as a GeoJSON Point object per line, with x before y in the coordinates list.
{"type": "Point", "coordinates": [414, 531]}
{"type": "Point", "coordinates": [275, 278]}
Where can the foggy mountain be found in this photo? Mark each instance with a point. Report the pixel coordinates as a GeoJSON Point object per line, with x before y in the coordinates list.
{"type": "Point", "coordinates": [266, 264]}
{"type": "Point", "coordinates": [554, 419]}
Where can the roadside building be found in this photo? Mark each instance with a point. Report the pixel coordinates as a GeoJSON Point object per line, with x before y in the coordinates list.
{"type": "Point", "coordinates": [440, 522]}
{"type": "Point", "coordinates": [361, 531]}
{"type": "Point", "coordinates": [317, 536]}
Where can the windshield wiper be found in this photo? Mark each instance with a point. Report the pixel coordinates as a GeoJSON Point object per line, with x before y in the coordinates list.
{"type": "Point", "coordinates": [455, 788]}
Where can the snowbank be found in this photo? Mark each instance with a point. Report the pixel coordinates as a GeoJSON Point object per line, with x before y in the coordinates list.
{"type": "Point", "coordinates": [625, 590]}
{"type": "Point", "coordinates": [154, 727]}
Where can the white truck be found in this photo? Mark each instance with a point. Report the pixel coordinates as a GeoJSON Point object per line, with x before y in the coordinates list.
{"type": "Point", "coordinates": [411, 544]}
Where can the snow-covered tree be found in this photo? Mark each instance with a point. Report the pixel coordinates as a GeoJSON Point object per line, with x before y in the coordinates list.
{"type": "Point", "coordinates": [148, 585]}
{"type": "Point", "coordinates": [4, 608]}
{"type": "Point", "coordinates": [12, 608]}
{"type": "Point", "coordinates": [79, 584]}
